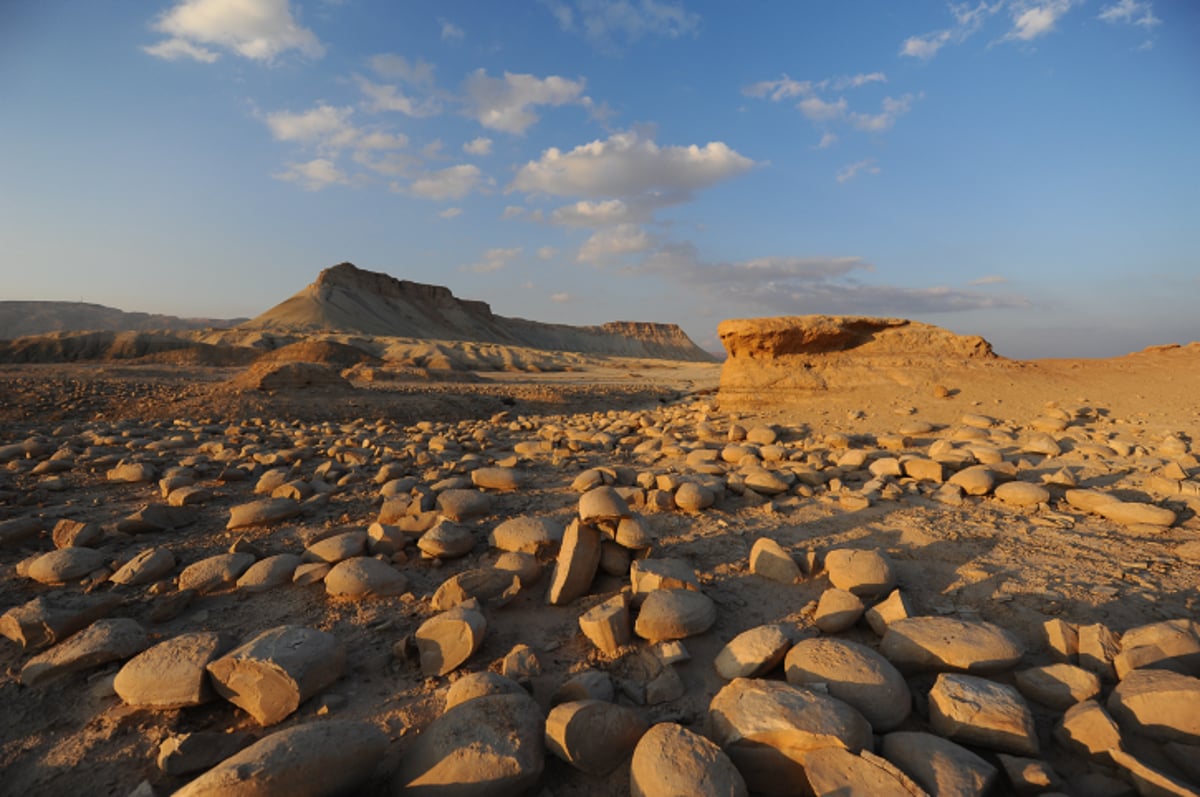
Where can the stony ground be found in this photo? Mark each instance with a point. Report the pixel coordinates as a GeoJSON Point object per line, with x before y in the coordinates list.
{"type": "Point", "coordinates": [975, 500]}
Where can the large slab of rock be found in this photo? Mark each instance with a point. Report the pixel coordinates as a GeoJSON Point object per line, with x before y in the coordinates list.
{"type": "Point", "coordinates": [976, 711]}
{"type": "Point", "coordinates": [939, 765]}
{"type": "Point", "coordinates": [263, 512]}
{"type": "Point", "coordinates": [1087, 729]}
{"type": "Point", "coordinates": [273, 673]}
{"type": "Point", "coordinates": [835, 771]}
{"type": "Point", "coordinates": [526, 534]}
{"type": "Point", "coordinates": [215, 573]}
{"type": "Point", "coordinates": [671, 761]}
{"type": "Point", "coordinates": [446, 640]}
{"type": "Point", "coordinates": [854, 674]}
{"type": "Point", "coordinates": [145, 567]}
{"type": "Point", "coordinates": [1149, 781]}
{"type": "Point", "coordinates": [321, 757]}
{"type": "Point", "coordinates": [674, 614]}
{"type": "Point", "coordinates": [364, 577]}
{"type": "Point", "coordinates": [65, 564]}
{"type": "Point", "coordinates": [484, 584]}
{"type": "Point", "coordinates": [491, 746]}
{"type": "Point", "coordinates": [577, 563]}
{"type": "Point", "coordinates": [592, 735]}
{"type": "Point", "coordinates": [100, 643]}
{"type": "Point", "coordinates": [157, 517]}
{"type": "Point", "coordinates": [1160, 704]}
{"type": "Point", "coordinates": [767, 728]}
{"type": "Point", "coordinates": [647, 575]}
{"type": "Point", "coordinates": [1058, 686]}
{"type": "Point", "coordinates": [49, 619]}
{"type": "Point", "coordinates": [173, 673]}
{"type": "Point", "coordinates": [1166, 645]}
{"type": "Point", "coordinates": [265, 574]}
{"type": "Point", "coordinates": [753, 652]}
{"type": "Point", "coordinates": [948, 644]}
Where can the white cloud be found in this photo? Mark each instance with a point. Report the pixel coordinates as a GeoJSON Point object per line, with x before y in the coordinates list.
{"type": "Point", "coordinates": [925, 46]}
{"type": "Point", "coordinates": [599, 213]}
{"type": "Point", "coordinates": [174, 49]}
{"type": "Point", "coordinates": [990, 279]}
{"type": "Point", "coordinates": [548, 253]}
{"type": "Point", "coordinates": [450, 213]}
{"type": "Point", "coordinates": [968, 20]}
{"type": "Point", "coordinates": [384, 97]}
{"type": "Point", "coordinates": [478, 146]}
{"type": "Point", "coordinates": [313, 175]}
{"type": "Point", "coordinates": [397, 67]}
{"type": "Point", "coordinates": [388, 164]}
{"type": "Point", "coordinates": [1037, 18]}
{"type": "Point", "coordinates": [454, 182]}
{"type": "Point", "coordinates": [775, 90]}
{"type": "Point", "coordinates": [512, 212]}
{"type": "Point", "coordinates": [827, 141]}
{"type": "Point", "coordinates": [451, 32]}
{"type": "Point", "coordinates": [324, 126]}
{"type": "Point", "coordinates": [893, 109]}
{"type": "Point", "coordinates": [259, 30]}
{"type": "Point", "coordinates": [607, 23]}
{"type": "Point", "coordinates": [817, 110]}
{"type": "Point", "coordinates": [861, 167]}
{"type": "Point", "coordinates": [627, 166]}
{"type": "Point", "coordinates": [507, 103]}
{"type": "Point", "coordinates": [495, 259]}
{"type": "Point", "coordinates": [611, 243]}
{"type": "Point", "coordinates": [1131, 12]}
{"type": "Point", "coordinates": [855, 81]}
{"type": "Point", "coordinates": [561, 297]}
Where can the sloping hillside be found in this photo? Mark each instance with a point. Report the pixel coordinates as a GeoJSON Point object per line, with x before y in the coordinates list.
{"type": "Point", "coordinates": [21, 319]}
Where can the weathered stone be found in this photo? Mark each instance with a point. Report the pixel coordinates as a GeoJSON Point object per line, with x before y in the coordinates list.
{"type": "Point", "coordinates": [752, 653]}
{"type": "Point", "coordinates": [274, 672]}
{"type": "Point", "coordinates": [1058, 686]}
{"type": "Point", "coordinates": [975, 480]}
{"type": "Point", "coordinates": [364, 577]}
{"type": "Point", "coordinates": [1087, 729]}
{"type": "Point", "coordinates": [633, 533]}
{"type": "Point", "coordinates": [1159, 704]}
{"type": "Point", "coordinates": [577, 563]}
{"type": "Point", "coordinates": [1062, 639]}
{"type": "Point", "coordinates": [948, 644]}
{"type": "Point", "coordinates": [980, 712]}
{"type": "Point", "coordinates": [145, 567]}
{"type": "Point", "coordinates": [665, 687]}
{"type": "Point", "coordinates": [691, 497]}
{"type": "Point", "coordinates": [769, 560]}
{"type": "Point", "coordinates": [1129, 513]}
{"type": "Point", "coordinates": [925, 470]}
{"type": "Point", "coordinates": [265, 574]}
{"type": "Point", "coordinates": [337, 548]}
{"type": "Point", "coordinates": [463, 505]}
{"type": "Point", "coordinates": [764, 482]}
{"type": "Point", "coordinates": [71, 533]}
{"type": "Point", "coordinates": [647, 575]}
{"type": "Point", "coordinates": [171, 674]}
{"type": "Point", "coordinates": [485, 584]}
{"type": "Point", "coordinates": [480, 684]}
{"type": "Point", "coordinates": [157, 517]}
{"type": "Point", "coordinates": [504, 479]}
{"type": "Point", "coordinates": [521, 663]}
{"type": "Point", "coordinates": [1151, 782]}
{"type": "Point", "coordinates": [854, 674]}
{"type": "Point", "coordinates": [586, 685]}
{"type": "Point", "coordinates": [838, 610]}
{"type": "Point", "coordinates": [49, 619]}
{"type": "Point", "coordinates": [447, 640]}
{"type": "Point", "coordinates": [1022, 493]}
{"type": "Point", "coordinates": [216, 573]}
{"type": "Point", "coordinates": [671, 761]}
{"type": "Point", "coordinates": [892, 608]}
{"type": "Point", "coordinates": [767, 728]}
{"type": "Point", "coordinates": [321, 757]}
{"type": "Point", "coordinates": [310, 573]}
{"type": "Point", "coordinates": [835, 771]}
{"type": "Point", "coordinates": [674, 614]}
{"type": "Point", "coordinates": [1098, 647]}
{"type": "Point", "coordinates": [101, 642]}
{"type": "Point", "coordinates": [132, 473]}
{"type": "Point", "coordinates": [526, 534]}
{"type": "Point", "coordinates": [195, 752]}
{"type": "Point", "coordinates": [65, 564]}
{"type": "Point", "coordinates": [18, 530]}
{"type": "Point", "coordinates": [262, 512]}
{"type": "Point", "coordinates": [938, 765]}
{"type": "Point", "coordinates": [603, 503]}
{"type": "Point", "coordinates": [447, 540]}
{"type": "Point", "coordinates": [1166, 645]}
{"type": "Point", "coordinates": [863, 572]}
{"type": "Point", "coordinates": [487, 747]}
{"type": "Point", "coordinates": [607, 625]}
{"type": "Point", "coordinates": [593, 736]}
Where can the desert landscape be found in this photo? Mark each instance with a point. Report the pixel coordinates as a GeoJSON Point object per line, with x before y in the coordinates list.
{"type": "Point", "coordinates": [323, 552]}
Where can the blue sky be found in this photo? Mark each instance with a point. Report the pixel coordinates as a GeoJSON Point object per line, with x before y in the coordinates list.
{"type": "Point", "coordinates": [1028, 170]}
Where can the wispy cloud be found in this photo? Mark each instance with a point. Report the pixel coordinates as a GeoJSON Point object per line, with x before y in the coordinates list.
{"type": "Point", "coordinates": [451, 32]}
{"type": "Point", "coordinates": [507, 103]}
{"type": "Point", "coordinates": [561, 298]}
{"type": "Point", "coordinates": [990, 279]}
{"type": "Point", "coordinates": [495, 260]}
{"type": "Point", "coordinates": [613, 243]}
{"type": "Point", "coordinates": [610, 24]}
{"type": "Point", "coordinates": [968, 20]}
{"type": "Point", "coordinates": [450, 213]}
{"type": "Point", "coordinates": [854, 169]}
{"type": "Point", "coordinates": [313, 175]}
{"type": "Point", "coordinates": [454, 182]}
{"type": "Point", "coordinates": [1131, 12]}
{"type": "Point", "coordinates": [260, 30]}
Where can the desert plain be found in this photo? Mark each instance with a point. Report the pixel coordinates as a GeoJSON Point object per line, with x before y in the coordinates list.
{"type": "Point", "coordinates": [860, 556]}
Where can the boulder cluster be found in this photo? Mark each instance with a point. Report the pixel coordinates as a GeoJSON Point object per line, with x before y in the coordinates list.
{"type": "Point", "coordinates": [502, 606]}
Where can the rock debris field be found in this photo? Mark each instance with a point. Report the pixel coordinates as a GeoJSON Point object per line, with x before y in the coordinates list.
{"type": "Point", "coordinates": [661, 599]}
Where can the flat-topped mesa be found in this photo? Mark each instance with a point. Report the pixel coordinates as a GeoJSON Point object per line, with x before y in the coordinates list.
{"type": "Point", "coordinates": [348, 276]}
{"type": "Point", "coordinates": [772, 359]}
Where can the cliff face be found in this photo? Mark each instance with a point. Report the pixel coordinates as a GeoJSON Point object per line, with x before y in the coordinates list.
{"type": "Point", "coordinates": [346, 298]}
{"type": "Point", "coordinates": [771, 359]}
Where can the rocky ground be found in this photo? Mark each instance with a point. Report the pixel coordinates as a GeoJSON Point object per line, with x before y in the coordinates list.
{"type": "Point", "coordinates": [600, 583]}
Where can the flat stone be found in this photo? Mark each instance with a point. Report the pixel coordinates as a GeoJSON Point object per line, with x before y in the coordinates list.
{"type": "Point", "coordinates": [864, 572]}
{"type": "Point", "coordinates": [752, 653]}
{"type": "Point", "coordinates": [764, 482]}
{"type": "Point", "coordinates": [1022, 493]}
{"type": "Point", "coordinates": [216, 573]}
{"type": "Point", "coordinates": [603, 503]}
{"type": "Point", "coordinates": [1151, 782]}
{"type": "Point", "coordinates": [146, 567]}
{"type": "Point", "coordinates": [1087, 729]}
{"type": "Point", "coordinates": [196, 752]}
{"type": "Point", "coordinates": [480, 684]}
{"type": "Point", "coordinates": [767, 728]}
{"type": "Point", "coordinates": [607, 625]}
{"type": "Point", "coordinates": [980, 712]}
{"type": "Point", "coordinates": [593, 736]}
{"type": "Point", "coordinates": [274, 672]}
{"type": "Point", "coordinates": [674, 614]}
{"type": "Point", "coordinates": [647, 575]}
{"type": "Point", "coordinates": [49, 619]}
{"type": "Point", "coordinates": [769, 560]}
{"type": "Point", "coordinates": [924, 470]}
{"type": "Point", "coordinates": [854, 674]}
{"type": "Point", "coordinates": [835, 771]}
{"type": "Point", "coordinates": [65, 564]}
{"type": "Point", "coordinates": [447, 540]}
{"type": "Point", "coordinates": [947, 644]}
{"type": "Point", "coordinates": [577, 563]}
{"type": "Point", "coordinates": [69, 533]}
{"type": "Point", "coordinates": [157, 517]}
{"type": "Point", "coordinates": [838, 610]}
{"type": "Point", "coordinates": [489, 585]}
{"type": "Point", "coordinates": [892, 608]}
{"type": "Point", "coordinates": [1159, 704]}
{"type": "Point", "coordinates": [320, 757]}
{"type": "Point", "coordinates": [1129, 513]}
{"type": "Point", "coordinates": [337, 548]}
{"type": "Point", "coordinates": [265, 574]}
{"type": "Point", "coordinates": [364, 577]}
{"type": "Point", "coordinates": [503, 479]}
{"type": "Point", "coordinates": [1058, 686]}
{"type": "Point", "coordinates": [938, 765]}
{"type": "Point", "coordinates": [1166, 645]}
{"type": "Point", "coordinates": [262, 512]}
{"type": "Point", "coordinates": [671, 761]}
{"type": "Point", "coordinates": [526, 534]}
{"type": "Point", "coordinates": [463, 505]}
{"type": "Point", "coordinates": [101, 642]}
{"type": "Point", "coordinates": [172, 674]}
{"type": "Point", "coordinates": [445, 641]}
{"type": "Point", "coordinates": [487, 747]}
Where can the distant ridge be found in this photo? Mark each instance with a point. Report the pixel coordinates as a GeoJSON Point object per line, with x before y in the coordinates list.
{"type": "Point", "coordinates": [347, 299]}
{"type": "Point", "coordinates": [21, 319]}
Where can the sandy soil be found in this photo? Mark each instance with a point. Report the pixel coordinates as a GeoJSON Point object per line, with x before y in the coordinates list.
{"type": "Point", "coordinates": [980, 559]}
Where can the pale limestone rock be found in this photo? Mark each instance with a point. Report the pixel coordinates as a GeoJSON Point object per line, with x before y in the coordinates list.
{"type": "Point", "coordinates": [924, 470]}
{"type": "Point", "coordinates": [263, 512]}
{"type": "Point", "coordinates": [602, 503]}
{"type": "Point", "coordinates": [768, 559]}
{"type": "Point", "coordinates": [752, 653]}
{"type": "Point", "coordinates": [835, 771]}
{"type": "Point", "coordinates": [71, 533]}
{"type": "Point", "coordinates": [364, 577]}
{"type": "Point", "coordinates": [145, 567]}
{"type": "Point", "coordinates": [526, 534]}
{"type": "Point", "coordinates": [671, 761]}
{"type": "Point", "coordinates": [1129, 513]}
{"type": "Point", "coordinates": [586, 685]}
{"type": "Point", "coordinates": [691, 497]}
{"type": "Point", "coordinates": [593, 736]}
{"type": "Point", "coordinates": [577, 563]}
{"type": "Point", "coordinates": [1062, 639]}
{"type": "Point", "coordinates": [480, 684]}
{"type": "Point", "coordinates": [1058, 686]}
{"type": "Point", "coordinates": [863, 572]}
{"type": "Point", "coordinates": [447, 540]}
{"type": "Point", "coordinates": [460, 505]}
{"type": "Point", "coordinates": [265, 574]}
{"type": "Point", "coordinates": [608, 625]}
{"type": "Point", "coordinates": [854, 674]}
{"type": "Point", "coordinates": [1098, 647]}
{"type": "Point", "coordinates": [100, 643]}
{"type": "Point", "coordinates": [195, 752]}
{"type": "Point", "coordinates": [1151, 782]}
{"type": "Point", "coordinates": [892, 608]}
{"type": "Point", "coordinates": [216, 573]}
{"type": "Point", "coordinates": [1159, 704]}
{"type": "Point", "coordinates": [647, 575]}
{"type": "Point", "coordinates": [172, 673]}
{"type": "Point", "coordinates": [675, 614]}
{"type": "Point", "coordinates": [1087, 729]}
{"type": "Point", "coordinates": [947, 644]}
{"type": "Point", "coordinates": [980, 712]}
{"type": "Point", "coordinates": [1030, 776]}
{"type": "Point", "coordinates": [974, 480]}
{"type": "Point", "coordinates": [445, 641]}
{"type": "Point", "coordinates": [51, 618]}
{"type": "Point", "coordinates": [938, 765]}
{"type": "Point", "coordinates": [1022, 493]}
{"type": "Point", "coordinates": [502, 479]}
{"type": "Point", "coordinates": [520, 664]}
{"type": "Point", "coordinates": [65, 564]}
{"type": "Point", "coordinates": [337, 548]}
{"type": "Point", "coordinates": [488, 585]}
{"type": "Point", "coordinates": [1166, 645]}
{"type": "Point", "coordinates": [838, 610]}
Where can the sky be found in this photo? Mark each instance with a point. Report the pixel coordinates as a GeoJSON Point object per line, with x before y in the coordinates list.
{"type": "Point", "coordinates": [1026, 170]}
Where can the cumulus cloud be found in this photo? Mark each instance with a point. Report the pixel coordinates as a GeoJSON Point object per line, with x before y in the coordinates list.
{"type": "Point", "coordinates": [861, 167]}
{"type": "Point", "coordinates": [260, 30]}
{"type": "Point", "coordinates": [968, 19]}
{"type": "Point", "coordinates": [328, 129]}
{"type": "Point", "coordinates": [600, 213]}
{"type": "Point", "coordinates": [818, 110]}
{"type": "Point", "coordinates": [385, 98]}
{"type": "Point", "coordinates": [392, 66]}
{"type": "Point", "coordinates": [450, 213]}
{"type": "Point", "coordinates": [1037, 18]}
{"type": "Point", "coordinates": [313, 175]}
{"type": "Point", "coordinates": [608, 23]}
{"type": "Point", "coordinates": [478, 146]}
{"type": "Point", "coordinates": [495, 259]}
{"type": "Point", "coordinates": [925, 46]}
{"type": "Point", "coordinates": [632, 168]}
{"type": "Point", "coordinates": [893, 109]}
{"type": "Point", "coordinates": [797, 285]}
{"type": "Point", "coordinates": [507, 103]}
{"type": "Point", "coordinates": [613, 243]}
{"type": "Point", "coordinates": [454, 182]}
